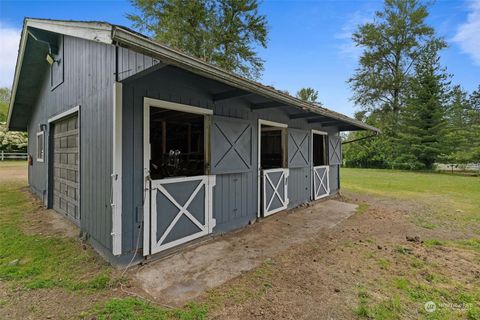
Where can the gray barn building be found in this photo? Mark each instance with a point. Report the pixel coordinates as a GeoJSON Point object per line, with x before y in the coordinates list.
{"type": "Point", "coordinates": [145, 147]}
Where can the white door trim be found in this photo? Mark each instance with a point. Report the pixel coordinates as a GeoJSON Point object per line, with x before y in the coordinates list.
{"type": "Point", "coordinates": [117, 170]}
{"type": "Point", "coordinates": [64, 114]}
{"type": "Point", "coordinates": [259, 152]}
{"type": "Point", "coordinates": [323, 133]}
{"type": "Point", "coordinates": [312, 174]}
{"type": "Point", "coordinates": [175, 106]}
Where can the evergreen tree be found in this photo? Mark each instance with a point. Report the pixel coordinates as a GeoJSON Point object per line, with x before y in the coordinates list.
{"type": "Point", "coordinates": [457, 136]}
{"type": "Point", "coordinates": [422, 125]}
{"type": "Point", "coordinates": [4, 101]}
{"type": "Point", "coordinates": [224, 33]}
{"type": "Point", "coordinates": [308, 95]}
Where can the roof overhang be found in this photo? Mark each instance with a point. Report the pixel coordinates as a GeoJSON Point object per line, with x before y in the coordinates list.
{"type": "Point", "coordinates": [112, 34]}
{"type": "Point", "coordinates": [125, 37]}
{"type": "Point", "coordinates": [94, 31]}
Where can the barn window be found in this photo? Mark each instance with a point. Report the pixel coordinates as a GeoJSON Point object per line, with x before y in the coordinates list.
{"type": "Point", "coordinates": [57, 66]}
{"type": "Point", "coordinates": [320, 149]}
{"type": "Point", "coordinates": [40, 146]}
{"type": "Point", "coordinates": [273, 147]}
{"type": "Point", "coordinates": [177, 142]}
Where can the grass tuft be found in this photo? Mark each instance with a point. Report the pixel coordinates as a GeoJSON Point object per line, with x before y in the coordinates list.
{"type": "Point", "coordinates": [136, 309]}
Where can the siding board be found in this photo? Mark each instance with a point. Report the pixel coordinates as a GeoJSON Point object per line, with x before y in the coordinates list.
{"type": "Point", "coordinates": [88, 82]}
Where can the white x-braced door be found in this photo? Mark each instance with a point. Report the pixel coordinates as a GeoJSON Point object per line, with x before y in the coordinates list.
{"type": "Point", "coordinates": [321, 186]}
{"type": "Point", "coordinates": [275, 190]}
{"type": "Point", "coordinates": [181, 210]}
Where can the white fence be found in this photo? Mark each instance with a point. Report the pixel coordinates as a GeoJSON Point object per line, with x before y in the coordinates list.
{"type": "Point", "coordinates": [457, 167]}
{"type": "Point", "coordinates": [13, 155]}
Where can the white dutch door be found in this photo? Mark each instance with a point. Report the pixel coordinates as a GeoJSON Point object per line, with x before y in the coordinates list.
{"type": "Point", "coordinates": [320, 167]}
{"type": "Point", "coordinates": [272, 163]}
{"type": "Point", "coordinates": [178, 200]}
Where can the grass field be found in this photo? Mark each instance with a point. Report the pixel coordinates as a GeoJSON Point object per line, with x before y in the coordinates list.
{"type": "Point", "coordinates": [449, 206]}
{"type": "Point", "coordinates": [453, 201]}
{"type": "Point", "coordinates": [364, 269]}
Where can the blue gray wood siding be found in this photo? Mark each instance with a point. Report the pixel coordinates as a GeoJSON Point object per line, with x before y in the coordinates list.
{"type": "Point", "coordinates": [235, 193]}
{"type": "Point", "coordinates": [89, 69]}
{"type": "Point", "coordinates": [131, 63]}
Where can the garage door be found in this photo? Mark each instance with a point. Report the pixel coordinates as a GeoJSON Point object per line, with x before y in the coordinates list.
{"type": "Point", "coordinates": [66, 175]}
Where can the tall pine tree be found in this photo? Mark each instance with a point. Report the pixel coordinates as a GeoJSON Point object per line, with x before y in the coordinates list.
{"type": "Point", "coordinates": [422, 125]}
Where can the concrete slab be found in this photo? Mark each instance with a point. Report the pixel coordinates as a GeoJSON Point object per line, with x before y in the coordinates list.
{"type": "Point", "coordinates": [186, 274]}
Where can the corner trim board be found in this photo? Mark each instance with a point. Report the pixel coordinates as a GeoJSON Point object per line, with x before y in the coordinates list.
{"type": "Point", "coordinates": [117, 170]}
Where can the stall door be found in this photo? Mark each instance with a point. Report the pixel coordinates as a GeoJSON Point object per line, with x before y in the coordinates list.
{"type": "Point", "coordinates": [321, 186]}
{"type": "Point", "coordinates": [181, 210]}
{"type": "Point", "coordinates": [66, 174]}
{"type": "Point", "coordinates": [275, 190]}
{"type": "Point", "coordinates": [178, 195]}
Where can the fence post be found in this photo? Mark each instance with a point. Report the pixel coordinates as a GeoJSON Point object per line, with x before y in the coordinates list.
{"type": "Point", "coordinates": [2, 155]}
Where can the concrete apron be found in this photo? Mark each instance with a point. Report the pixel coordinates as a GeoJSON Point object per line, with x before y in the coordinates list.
{"type": "Point", "coordinates": [188, 273]}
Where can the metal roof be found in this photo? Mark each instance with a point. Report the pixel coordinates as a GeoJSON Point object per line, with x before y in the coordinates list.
{"type": "Point", "coordinates": [114, 34]}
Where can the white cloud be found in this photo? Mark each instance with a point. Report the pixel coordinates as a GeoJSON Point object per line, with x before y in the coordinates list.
{"type": "Point", "coordinates": [468, 33]}
{"type": "Point", "coordinates": [9, 41]}
{"type": "Point", "coordinates": [347, 47]}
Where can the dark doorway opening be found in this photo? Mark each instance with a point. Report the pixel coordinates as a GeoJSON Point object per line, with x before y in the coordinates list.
{"type": "Point", "coordinates": [272, 147]}
{"type": "Point", "coordinates": [177, 141]}
{"type": "Point", "coordinates": [320, 150]}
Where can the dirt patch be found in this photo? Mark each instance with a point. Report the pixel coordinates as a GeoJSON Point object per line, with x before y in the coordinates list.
{"type": "Point", "coordinates": [50, 223]}
{"type": "Point", "coordinates": [52, 303]}
{"type": "Point", "coordinates": [322, 279]}
{"type": "Point", "coordinates": [13, 170]}
{"type": "Point", "coordinates": [186, 274]}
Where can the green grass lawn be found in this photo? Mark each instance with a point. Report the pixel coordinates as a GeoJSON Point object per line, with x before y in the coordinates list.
{"type": "Point", "coordinates": [453, 201]}
{"type": "Point", "coordinates": [36, 262]}
{"type": "Point", "coordinates": [42, 261]}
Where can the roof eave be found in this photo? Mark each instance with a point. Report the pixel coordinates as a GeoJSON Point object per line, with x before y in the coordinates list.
{"type": "Point", "coordinates": [18, 67]}
{"type": "Point", "coordinates": [109, 34]}
{"type": "Point", "coordinates": [198, 66]}
{"type": "Point", "coordinates": [98, 31]}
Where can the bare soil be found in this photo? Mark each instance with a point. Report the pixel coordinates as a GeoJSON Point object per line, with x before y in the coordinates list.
{"type": "Point", "coordinates": [320, 280]}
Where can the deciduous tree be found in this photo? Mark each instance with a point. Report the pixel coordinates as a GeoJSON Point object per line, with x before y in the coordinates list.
{"type": "Point", "coordinates": [391, 44]}
{"type": "Point", "coordinates": [224, 33]}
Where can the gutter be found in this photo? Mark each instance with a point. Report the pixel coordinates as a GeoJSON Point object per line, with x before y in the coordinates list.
{"type": "Point", "coordinates": [363, 138]}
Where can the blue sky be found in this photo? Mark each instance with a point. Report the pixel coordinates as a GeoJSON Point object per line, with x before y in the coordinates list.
{"type": "Point", "coordinates": [309, 41]}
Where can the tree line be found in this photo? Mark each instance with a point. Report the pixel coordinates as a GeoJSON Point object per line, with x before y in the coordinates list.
{"type": "Point", "coordinates": [9, 141]}
{"type": "Point", "coordinates": [399, 85]}
{"type": "Point", "coordinates": [403, 89]}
